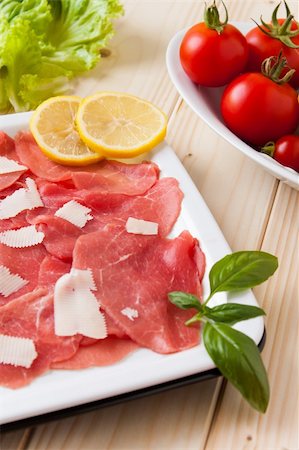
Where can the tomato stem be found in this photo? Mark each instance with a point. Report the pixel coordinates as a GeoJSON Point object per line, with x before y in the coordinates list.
{"type": "Point", "coordinates": [274, 17]}
{"type": "Point", "coordinates": [269, 148]}
{"type": "Point", "coordinates": [212, 17]}
{"type": "Point", "coordinates": [288, 12]}
{"type": "Point", "coordinates": [281, 32]}
{"type": "Point", "coordinates": [284, 29]}
{"type": "Point", "coordinates": [272, 68]}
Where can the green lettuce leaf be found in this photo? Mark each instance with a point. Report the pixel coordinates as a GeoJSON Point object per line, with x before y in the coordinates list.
{"type": "Point", "coordinates": [19, 54]}
{"type": "Point", "coordinates": [80, 29]}
{"type": "Point", "coordinates": [37, 12]}
{"type": "Point", "coordinates": [34, 89]}
{"type": "Point", "coordinates": [45, 43]}
{"type": "Point", "coordinates": [4, 100]}
{"type": "Point", "coordinates": [24, 80]}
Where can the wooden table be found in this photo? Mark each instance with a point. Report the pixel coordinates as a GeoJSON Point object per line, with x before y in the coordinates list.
{"type": "Point", "coordinates": [254, 211]}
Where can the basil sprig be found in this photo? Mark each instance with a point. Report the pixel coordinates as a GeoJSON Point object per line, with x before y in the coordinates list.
{"type": "Point", "coordinates": [234, 353]}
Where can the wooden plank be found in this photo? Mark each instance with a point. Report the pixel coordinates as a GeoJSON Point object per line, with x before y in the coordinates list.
{"type": "Point", "coordinates": [137, 60]}
{"type": "Point", "coordinates": [236, 424]}
{"type": "Point", "coordinates": [168, 420]}
{"type": "Point", "coordinates": [16, 440]}
{"type": "Point", "coordinates": [238, 192]}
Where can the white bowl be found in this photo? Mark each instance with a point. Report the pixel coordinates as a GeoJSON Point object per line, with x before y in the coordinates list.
{"type": "Point", "coordinates": [205, 102]}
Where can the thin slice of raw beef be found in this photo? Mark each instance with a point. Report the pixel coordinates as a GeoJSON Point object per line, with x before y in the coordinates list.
{"type": "Point", "coordinates": [24, 262]}
{"type": "Point", "coordinates": [161, 204]}
{"type": "Point", "coordinates": [102, 353]}
{"type": "Point", "coordinates": [118, 178]}
{"type": "Point", "coordinates": [20, 183]}
{"type": "Point", "coordinates": [8, 179]}
{"type": "Point", "coordinates": [105, 176]}
{"type": "Point", "coordinates": [7, 145]}
{"type": "Point", "coordinates": [15, 222]}
{"type": "Point", "coordinates": [31, 156]}
{"type": "Point", "coordinates": [54, 196]}
{"type": "Point", "coordinates": [31, 316]}
{"type": "Point", "coordinates": [60, 236]}
{"type": "Point", "coordinates": [20, 220]}
{"type": "Point", "coordinates": [51, 269]}
{"type": "Point", "coordinates": [137, 272]}
{"type": "Point", "coordinates": [7, 148]}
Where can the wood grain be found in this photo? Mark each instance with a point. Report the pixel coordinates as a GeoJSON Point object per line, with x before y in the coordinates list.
{"type": "Point", "coordinates": [253, 210]}
{"type": "Point", "coordinates": [158, 422]}
{"type": "Point", "coordinates": [236, 425]}
{"type": "Point", "coordinates": [16, 440]}
{"type": "Point", "coordinates": [238, 192]}
{"type": "Point", "coordinates": [137, 60]}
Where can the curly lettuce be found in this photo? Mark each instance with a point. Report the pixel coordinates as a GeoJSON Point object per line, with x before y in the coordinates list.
{"type": "Point", "coordinates": [80, 29]}
{"type": "Point", "coordinates": [45, 43]}
{"type": "Point", "coordinates": [19, 54]}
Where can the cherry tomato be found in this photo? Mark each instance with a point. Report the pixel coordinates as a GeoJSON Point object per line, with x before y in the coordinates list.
{"type": "Point", "coordinates": [262, 45]}
{"type": "Point", "coordinates": [286, 151]}
{"type": "Point", "coordinates": [213, 56]}
{"type": "Point", "coordinates": [258, 109]}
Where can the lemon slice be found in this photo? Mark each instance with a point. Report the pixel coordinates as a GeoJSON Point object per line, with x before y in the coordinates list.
{"type": "Point", "coordinates": [53, 127]}
{"type": "Point", "coordinates": [120, 125]}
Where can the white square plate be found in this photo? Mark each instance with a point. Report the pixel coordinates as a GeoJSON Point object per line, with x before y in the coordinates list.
{"type": "Point", "coordinates": [57, 390]}
{"type": "Point", "coordinates": [205, 102]}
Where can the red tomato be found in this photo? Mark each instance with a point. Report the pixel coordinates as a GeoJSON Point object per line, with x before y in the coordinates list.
{"type": "Point", "coordinates": [261, 46]}
{"type": "Point", "coordinates": [211, 58]}
{"type": "Point", "coordinates": [259, 110]}
{"type": "Point", "coordinates": [286, 151]}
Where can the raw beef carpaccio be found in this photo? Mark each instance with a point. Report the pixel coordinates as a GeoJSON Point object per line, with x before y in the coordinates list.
{"type": "Point", "coordinates": [106, 176]}
{"type": "Point", "coordinates": [101, 353]}
{"type": "Point", "coordinates": [7, 149]}
{"type": "Point", "coordinates": [132, 270]}
{"type": "Point", "coordinates": [132, 273]}
{"type": "Point", "coordinates": [26, 263]}
{"type": "Point", "coordinates": [160, 204]}
{"type": "Point", "coordinates": [31, 316]}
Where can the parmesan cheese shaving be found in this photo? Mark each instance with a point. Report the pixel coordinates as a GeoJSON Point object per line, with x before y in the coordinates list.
{"type": "Point", "coordinates": [130, 313]}
{"type": "Point", "coordinates": [33, 194]}
{"type": "Point", "coordinates": [23, 237]}
{"type": "Point", "coordinates": [9, 282]}
{"type": "Point", "coordinates": [83, 278]}
{"type": "Point", "coordinates": [75, 213]}
{"type": "Point", "coordinates": [139, 226]}
{"type": "Point", "coordinates": [76, 309]}
{"type": "Point", "coordinates": [20, 200]}
{"type": "Point", "coordinates": [10, 166]}
{"type": "Point", "coordinates": [17, 351]}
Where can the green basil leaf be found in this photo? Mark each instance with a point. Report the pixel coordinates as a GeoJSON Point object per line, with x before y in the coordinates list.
{"type": "Point", "coordinates": [238, 359]}
{"type": "Point", "coordinates": [184, 301]}
{"type": "Point", "coordinates": [241, 270]}
{"type": "Point", "coordinates": [232, 313]}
